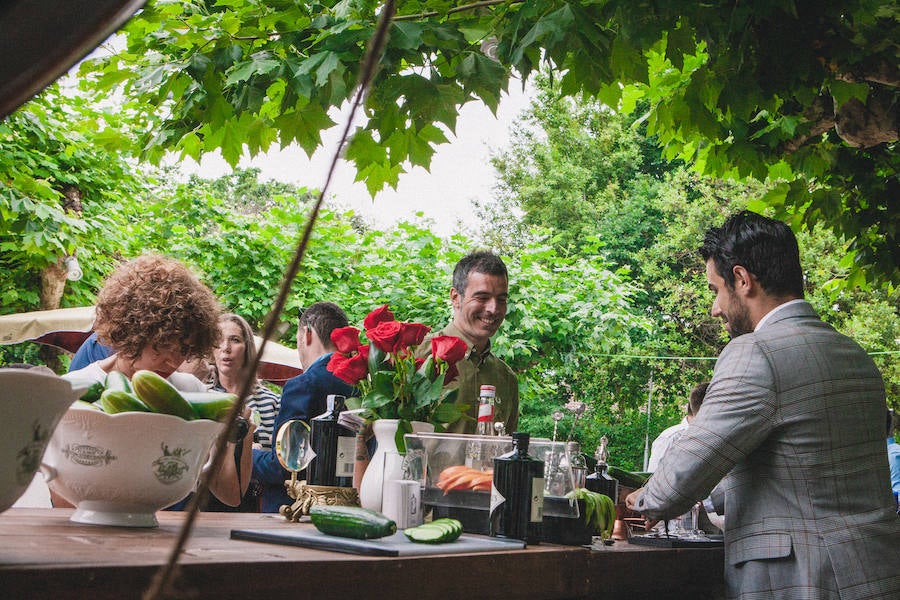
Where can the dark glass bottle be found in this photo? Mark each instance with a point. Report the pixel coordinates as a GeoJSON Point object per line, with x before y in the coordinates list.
{"type": "Point", "coordinates": [517, 495]}
{"type": "Point", "coordinates": [334, 445]}
{"type": "Point", "coordinates": [600, 480]}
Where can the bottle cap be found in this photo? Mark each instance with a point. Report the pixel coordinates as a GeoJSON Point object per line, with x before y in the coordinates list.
{"type": "Point", "coordinates": [521, 436]}
{"type": "Point", "coordinates": [488, 390]}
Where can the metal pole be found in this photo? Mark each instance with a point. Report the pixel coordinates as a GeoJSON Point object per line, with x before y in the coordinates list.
{"type": "Point", "coordinates": [647, 432]}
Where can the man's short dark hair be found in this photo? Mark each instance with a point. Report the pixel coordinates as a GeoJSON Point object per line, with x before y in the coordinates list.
{"type": "Point", "coordinates": [480, 261]}
{"type": "Point", "coordinates": [324, 317]}
{"type": "Point", "coordinates": [696, 398]}
{"type": "Point", "coordinates": [767, 248]}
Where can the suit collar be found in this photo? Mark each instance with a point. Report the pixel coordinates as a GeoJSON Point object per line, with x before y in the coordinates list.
{"type": "Point", "coordinates": [788, 310]}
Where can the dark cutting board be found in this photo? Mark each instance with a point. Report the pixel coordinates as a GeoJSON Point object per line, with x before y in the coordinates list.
{"type": "Point", "coordinates": [394, 545]}
{"type": "Point", "coordinates": [712, 541]}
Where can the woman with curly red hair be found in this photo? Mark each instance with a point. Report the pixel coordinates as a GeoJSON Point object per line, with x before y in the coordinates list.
{"type": "Point", "coordinates": [154, 313]}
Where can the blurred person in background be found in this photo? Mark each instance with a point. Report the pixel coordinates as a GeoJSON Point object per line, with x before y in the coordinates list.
{"type": "Point", "coordinates": [893, 456]}
{"type": "Point", "coordinates": [668, 436]}
{"type": "Point", "coordinates": [234, 354]}
{"type": "Point", "coordinates": [303, 396]}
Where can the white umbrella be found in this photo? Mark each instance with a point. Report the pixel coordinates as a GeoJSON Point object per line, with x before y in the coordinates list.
{"type": "Point", "coordinates": [67, 328]}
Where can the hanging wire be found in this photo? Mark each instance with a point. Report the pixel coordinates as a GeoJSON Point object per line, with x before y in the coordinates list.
{"type": "Point", "coordinates": [161, 585]}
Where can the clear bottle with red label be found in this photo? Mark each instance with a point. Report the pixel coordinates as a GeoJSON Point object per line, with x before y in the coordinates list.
{"type": "Point", "coordinates": [478, 454]}
{"type": "Point", "coordinates": [486, 398]}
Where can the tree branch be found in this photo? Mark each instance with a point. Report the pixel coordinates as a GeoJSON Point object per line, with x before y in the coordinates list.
{"type": "Point", "coordinates": [456, 9]}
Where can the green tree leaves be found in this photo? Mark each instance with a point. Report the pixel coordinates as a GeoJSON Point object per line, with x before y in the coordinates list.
{"type": "Point", "coordinates": [792, 92]}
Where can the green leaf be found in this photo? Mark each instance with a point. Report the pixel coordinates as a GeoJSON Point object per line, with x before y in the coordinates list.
{"type": "Point", "coordinates": [842, 91]}
{"type": "Point", "coordinates": [406, 35]}
{"type": "Point", "coordinates": [303, 125]}
{"type": "Point", "coordinates": [260, 63]}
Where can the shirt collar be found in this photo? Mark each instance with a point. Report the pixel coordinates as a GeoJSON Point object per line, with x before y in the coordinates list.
{"type": "Point", "coordinates": [320, 358]}
{"type": "Point", "coordinates": [769, 314]}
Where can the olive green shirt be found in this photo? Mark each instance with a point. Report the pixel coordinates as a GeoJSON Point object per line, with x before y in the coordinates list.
{"type": "Point", "coordinates": [476, 370]}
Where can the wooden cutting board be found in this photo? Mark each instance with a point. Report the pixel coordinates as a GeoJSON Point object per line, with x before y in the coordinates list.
{"type": "Point", "coordinates": [394, 545]}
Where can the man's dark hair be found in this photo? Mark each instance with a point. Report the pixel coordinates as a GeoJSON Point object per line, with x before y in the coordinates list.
{"type": "Point", "coordinates": [765, 247]}
{"type": "Point", "coordinates": [696, 398]}
{"type": "Point", "coordinates": [480, 261]}
{"type": "Point", "coordinates": [324, 317]}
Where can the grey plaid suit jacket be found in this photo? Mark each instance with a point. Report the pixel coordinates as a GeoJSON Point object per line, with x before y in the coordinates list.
{"type": "Point", "coordinates": [794, 416]}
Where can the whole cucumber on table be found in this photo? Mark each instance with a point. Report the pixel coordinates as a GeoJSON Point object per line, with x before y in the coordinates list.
{"type": "Point", "coordinates": [160, 396]}
{"type": "Point", "coordinates": [351, 522]}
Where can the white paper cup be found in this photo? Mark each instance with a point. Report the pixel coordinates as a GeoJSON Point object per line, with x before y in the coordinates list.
{"type": "Point", "coordinates": [402, 503]}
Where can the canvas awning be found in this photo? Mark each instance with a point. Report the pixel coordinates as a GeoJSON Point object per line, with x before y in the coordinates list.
{"type": "Point", "coordinates": [67, 328]}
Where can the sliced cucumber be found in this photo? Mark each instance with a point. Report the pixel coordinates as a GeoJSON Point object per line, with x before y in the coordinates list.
{"type": "Point", "coordinates": [439, 531]}
{"type": "Point", "coordinates": [424, 534]}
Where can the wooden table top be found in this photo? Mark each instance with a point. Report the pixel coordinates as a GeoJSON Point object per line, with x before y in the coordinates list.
{"type": "Point", "coordinates": [44, 555]}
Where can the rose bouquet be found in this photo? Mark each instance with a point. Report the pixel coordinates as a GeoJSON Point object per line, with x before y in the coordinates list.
{"type": "Point", "coordinates": [392, 382]}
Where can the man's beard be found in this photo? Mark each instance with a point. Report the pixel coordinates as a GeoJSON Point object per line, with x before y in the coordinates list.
{"type": "Point", "coordinates": [739, 320]}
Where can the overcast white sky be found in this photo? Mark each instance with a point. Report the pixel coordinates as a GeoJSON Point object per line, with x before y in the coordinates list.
{"type": "Point", "coordinates": [460, 170]}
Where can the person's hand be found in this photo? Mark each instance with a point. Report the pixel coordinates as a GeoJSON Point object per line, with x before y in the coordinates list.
{"type": "Point", "coordinates": [632, 498]}
{"type": "Point", "coordinates": [631, 503]}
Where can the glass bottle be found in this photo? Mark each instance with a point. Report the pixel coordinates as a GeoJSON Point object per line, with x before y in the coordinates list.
{"type": "Point", "coordinates": [577, 464]}
{"type": "Point", "coordinates": [600, 480]}
{"type": "Point", "coordinates": [477, 456]}
{"type": "Point", "coordinates": [486, 410]}
{"type": "Point", "coordinates": [334, 445]}
{"type": "Point", "coordinates": [517, 493]}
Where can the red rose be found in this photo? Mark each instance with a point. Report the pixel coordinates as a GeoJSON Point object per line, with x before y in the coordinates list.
{"type": "Point", "coordinates": [412, 334]}
{"type": "Point", "coordinates": [379, 315]}
{"type": "Point", "coordinates": [448, 348]}
{"type": "Point", "coordinates": [351, 370]}
{"type": "Point", "coordinates": [345, 339]}
{"type": "Point", "coordinates": [386, 336]}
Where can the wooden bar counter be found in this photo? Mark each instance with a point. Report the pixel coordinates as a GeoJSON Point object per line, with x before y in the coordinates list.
{"type": "Point", "coordinates": [44, 555]}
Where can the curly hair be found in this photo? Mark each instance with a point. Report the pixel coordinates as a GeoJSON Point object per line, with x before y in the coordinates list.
{"type": "Point", "coordinates": [154, 301]}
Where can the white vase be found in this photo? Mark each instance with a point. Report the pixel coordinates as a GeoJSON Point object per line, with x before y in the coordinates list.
{"type": "Point", "coordinates": [386, 463]}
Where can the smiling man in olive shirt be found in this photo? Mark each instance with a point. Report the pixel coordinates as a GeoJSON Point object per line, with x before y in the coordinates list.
{"type": "Point", "coordinates": [479, 295]}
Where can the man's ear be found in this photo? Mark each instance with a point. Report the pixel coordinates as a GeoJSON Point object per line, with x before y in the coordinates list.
{"type": "Point", "coordinates": [745, 282]}
{"type": "Point", "coordinates": [455, 298]}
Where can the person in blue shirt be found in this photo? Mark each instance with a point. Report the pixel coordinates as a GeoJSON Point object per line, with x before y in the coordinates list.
{"type": "Point", "coordinates": [303, 396]}
{"type": "Point", "coordinates": [91, 350]}
{"type": "Point", "coordinates": [893, 456]}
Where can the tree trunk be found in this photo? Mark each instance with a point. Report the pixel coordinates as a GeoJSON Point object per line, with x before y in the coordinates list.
{"type": "Point", "coordinates": [53, 283]}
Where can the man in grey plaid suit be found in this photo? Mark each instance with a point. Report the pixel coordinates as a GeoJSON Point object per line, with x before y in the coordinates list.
{"type": "Point", "coordinates": [794, 421]}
